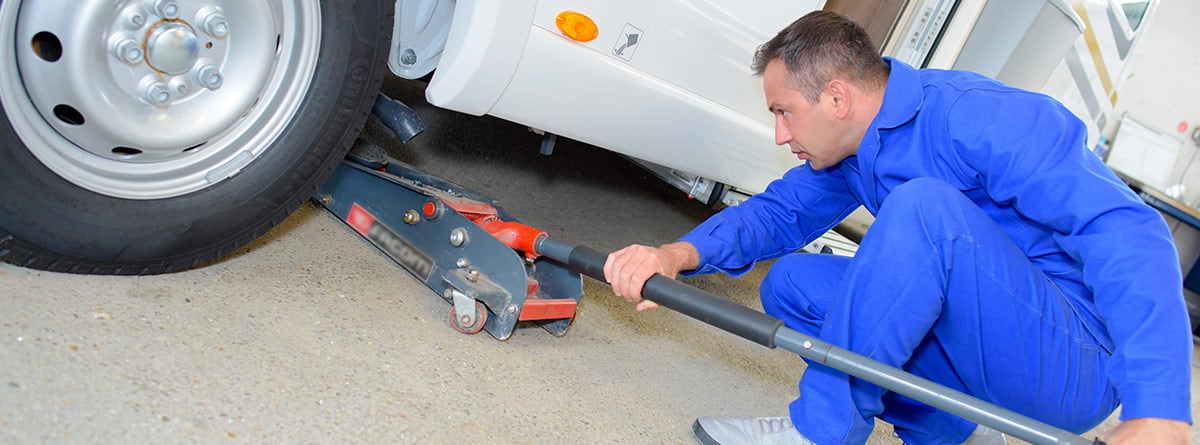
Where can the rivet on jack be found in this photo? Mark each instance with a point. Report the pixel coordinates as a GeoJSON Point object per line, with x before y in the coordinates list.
{"type": "Point", "coordinates": [473, 275]}
{"type": "Point", "coordinates": [411, 217]}
{"type": "Point", "coordinates": [458, 237]}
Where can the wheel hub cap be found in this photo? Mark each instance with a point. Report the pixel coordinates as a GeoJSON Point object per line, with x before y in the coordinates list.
{"type": "Point", "coordinates": [172, 48]}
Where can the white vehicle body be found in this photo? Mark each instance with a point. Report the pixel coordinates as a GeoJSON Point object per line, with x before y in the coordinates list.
{"type": "Point", "coordinates": [148, 136]}
{"type": "Point", "coordinates": [682, 98]}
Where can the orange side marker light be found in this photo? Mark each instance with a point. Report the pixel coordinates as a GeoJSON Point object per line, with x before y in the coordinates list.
{"type": "Point", "coordinates": [577, 26]}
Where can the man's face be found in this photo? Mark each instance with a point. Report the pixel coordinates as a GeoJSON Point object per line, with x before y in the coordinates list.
{"type": "Point", "coordinates": [809, 130]}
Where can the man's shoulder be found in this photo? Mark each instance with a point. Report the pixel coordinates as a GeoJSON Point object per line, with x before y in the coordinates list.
{"type": "Point", "coordinates": [942, 79]}
{"type": "Point", "coordinates": [957, 91]}
{"type": "Point", "coordinates": [959, 82]}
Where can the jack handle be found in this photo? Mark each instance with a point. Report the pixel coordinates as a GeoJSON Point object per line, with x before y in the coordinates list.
{"type": "Point", "coordinates": [706, 307]}
{"type": "Point", "coordinates": [770, 332]}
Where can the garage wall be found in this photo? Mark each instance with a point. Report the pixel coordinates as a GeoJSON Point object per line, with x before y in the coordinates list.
{"type": "Point", "coordinates": [1164, 91]}
{"type": "Point", "coordinates": [876, 17]}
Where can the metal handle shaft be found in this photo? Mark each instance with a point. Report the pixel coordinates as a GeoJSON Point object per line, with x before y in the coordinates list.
{"type": "Point", "coordinates": [769, 331]}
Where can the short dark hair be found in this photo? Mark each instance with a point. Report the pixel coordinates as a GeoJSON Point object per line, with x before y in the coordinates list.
{"type": "Point", "coordinates": [819, 47]}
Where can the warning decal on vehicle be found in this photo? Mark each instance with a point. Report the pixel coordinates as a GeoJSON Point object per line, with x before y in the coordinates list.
{"type": "Point", "coordinates": [391, 243]}
{"type": "Point", "coordinates": [627, 42]}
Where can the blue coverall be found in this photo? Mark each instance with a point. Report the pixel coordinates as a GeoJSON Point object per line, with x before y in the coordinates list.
{"type": "Point", "coordinates": [1006, 261]}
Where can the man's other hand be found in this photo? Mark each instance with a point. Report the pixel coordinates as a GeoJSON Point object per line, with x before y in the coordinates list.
{"type": "Point", "coordinates": [1148, 431]}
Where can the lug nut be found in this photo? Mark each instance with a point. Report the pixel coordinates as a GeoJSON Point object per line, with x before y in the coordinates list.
{"type": "Point", "coordinates": [128, 51]}
{"type": "Point", "coordinates": [157, 94]}
{"type": "Point", "coordinates": [216, 25]}
{"type": "Point", "coordinates": [209, 77]}
{"type": "Point", "coordinates": [167, 8]}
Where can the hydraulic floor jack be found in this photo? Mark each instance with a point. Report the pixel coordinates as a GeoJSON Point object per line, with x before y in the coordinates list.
{"type": "Point", "coordinates": [496, 272]}
{"type": "Point", "coordinates": [461, 245]}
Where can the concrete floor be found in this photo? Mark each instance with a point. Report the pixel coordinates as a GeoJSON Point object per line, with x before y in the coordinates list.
{"type": "Point", "coordinates": [311, 336]}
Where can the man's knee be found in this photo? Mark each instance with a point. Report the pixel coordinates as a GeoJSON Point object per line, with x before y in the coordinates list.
{"type": "Point", "coordinates": [922, 192]}
{"type": "Point", "coordinates": [922, 199]}
{"type": "Point", "coordinates": [801, 285]}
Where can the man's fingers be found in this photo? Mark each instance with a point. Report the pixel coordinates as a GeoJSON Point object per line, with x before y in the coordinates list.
{"type": "Point", "coordinates": [616, 271]}
{"type": "Point", "coordinates": [628, 269]}
{"type": "Point", "coordinates": [646, 305]}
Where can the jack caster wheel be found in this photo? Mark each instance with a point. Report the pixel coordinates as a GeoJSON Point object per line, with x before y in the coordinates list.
{"type": "Point", "coordinates": [460, 325]}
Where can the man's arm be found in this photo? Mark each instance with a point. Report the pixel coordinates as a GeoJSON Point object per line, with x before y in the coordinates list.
{"type": "Point", "coordinates": [793, 211]}
{"type": "Point", "coordinates": [1032, 157]}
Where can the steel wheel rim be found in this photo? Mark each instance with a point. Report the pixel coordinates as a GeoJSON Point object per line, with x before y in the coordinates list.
{"type": "Point", "coordinates": [178, 95]}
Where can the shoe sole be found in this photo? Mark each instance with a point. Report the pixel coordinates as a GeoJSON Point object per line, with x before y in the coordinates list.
{"type": "Point", "coordinates": [701, 435]}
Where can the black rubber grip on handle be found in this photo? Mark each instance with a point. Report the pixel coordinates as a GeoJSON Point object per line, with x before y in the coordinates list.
{"type": "Point", "coordinates": [587, 261]}
{"type": "Point", "coordinates": [704, 306]}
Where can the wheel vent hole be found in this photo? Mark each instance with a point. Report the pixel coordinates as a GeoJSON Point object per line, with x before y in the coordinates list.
{"type": "Point", "coordinates": [47, 46]}
{"type": "Point", "coordinates": [68, 114]}
{"type": "Point", "coordinates": [189, 149]}
{"type": "Point", "coordinates": [126, 151]}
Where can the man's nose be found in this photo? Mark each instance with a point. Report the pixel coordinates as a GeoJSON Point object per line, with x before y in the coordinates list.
{"type": "Point", "coordinates": [782, 134]}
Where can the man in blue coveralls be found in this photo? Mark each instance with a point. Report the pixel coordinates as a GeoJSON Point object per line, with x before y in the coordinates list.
{"type": "Point", "coordinates": [1006, 261]}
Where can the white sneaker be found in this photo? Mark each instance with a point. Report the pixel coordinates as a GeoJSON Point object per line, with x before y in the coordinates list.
{"type": "Point", "coordinates": [761, 430]}
{"type": "Point", "coordinates": [986, 436]}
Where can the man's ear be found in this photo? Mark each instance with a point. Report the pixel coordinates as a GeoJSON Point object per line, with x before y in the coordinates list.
{"type": "Point", "coordinates": [840, 95]}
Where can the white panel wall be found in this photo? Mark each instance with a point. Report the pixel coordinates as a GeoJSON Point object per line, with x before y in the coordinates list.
{"type": "Point", "coordinates": [1163, 91]}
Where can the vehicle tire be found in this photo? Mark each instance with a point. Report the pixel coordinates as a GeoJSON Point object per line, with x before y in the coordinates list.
{"type": "Point", "coordinates": [191, 128]}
